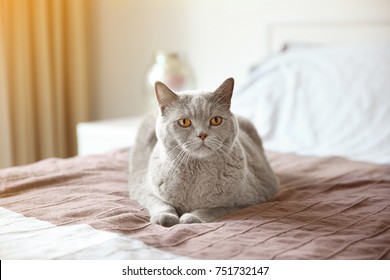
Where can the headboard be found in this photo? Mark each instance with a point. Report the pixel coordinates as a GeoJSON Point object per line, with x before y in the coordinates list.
{"type": "Point", "coordinates": [282, 32]}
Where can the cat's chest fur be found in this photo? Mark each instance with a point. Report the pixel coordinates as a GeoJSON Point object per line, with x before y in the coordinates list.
{"type": "Point", "coordinates": [198, 183]}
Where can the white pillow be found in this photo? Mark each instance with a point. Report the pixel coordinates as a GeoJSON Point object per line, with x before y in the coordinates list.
{"type": "Point", "coordinates": [322, 101]}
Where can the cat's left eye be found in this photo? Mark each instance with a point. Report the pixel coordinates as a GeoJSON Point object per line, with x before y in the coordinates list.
{"type": "Point", "coordinates": [215, 121]}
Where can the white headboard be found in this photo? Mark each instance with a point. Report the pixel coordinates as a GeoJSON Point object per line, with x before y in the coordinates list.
{"type": "Point", "coordinates": [282, 32]}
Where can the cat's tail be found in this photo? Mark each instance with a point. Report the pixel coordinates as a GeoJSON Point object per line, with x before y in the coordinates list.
{"type": "Point", "coordinates": [144, 144]}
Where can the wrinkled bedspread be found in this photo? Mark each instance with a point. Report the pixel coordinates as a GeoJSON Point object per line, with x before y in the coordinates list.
{"type": "Point", "coordinates": [327, 208]}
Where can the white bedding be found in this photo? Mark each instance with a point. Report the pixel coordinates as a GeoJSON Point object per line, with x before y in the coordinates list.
{"type": "Point", "coordinates": [28, 238]}
{"type": "Point", "coordinates": [323, 101]}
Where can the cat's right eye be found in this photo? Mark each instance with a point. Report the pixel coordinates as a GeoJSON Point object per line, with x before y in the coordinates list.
{"type": "Point", "coordinates": [215, 121]}
{"type": "Point", "coordinates": [184, 122]}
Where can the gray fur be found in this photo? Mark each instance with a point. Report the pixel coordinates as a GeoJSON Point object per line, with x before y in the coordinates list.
{"type": "Point", "coordinates": [181, 178]}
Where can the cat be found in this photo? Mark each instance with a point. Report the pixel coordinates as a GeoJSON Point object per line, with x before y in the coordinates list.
{"type": "Point", "coordinates": [197, 161]}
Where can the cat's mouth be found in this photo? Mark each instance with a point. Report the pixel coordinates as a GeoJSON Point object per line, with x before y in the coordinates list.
{"type": "Point", "coordinates": [200, 151]}
{"type": "Point", "coordinates": [201, 146]}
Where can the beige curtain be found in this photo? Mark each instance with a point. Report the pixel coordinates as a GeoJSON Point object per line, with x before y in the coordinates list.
{"type": "Point", "coordinates": [43, 78]}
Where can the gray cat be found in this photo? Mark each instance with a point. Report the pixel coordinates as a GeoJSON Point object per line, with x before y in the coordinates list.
{"type": "Point", "coordinates": [196, 161]}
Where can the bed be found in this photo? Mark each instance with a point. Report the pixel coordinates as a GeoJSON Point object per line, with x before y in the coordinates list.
{"type": "Point", "coordinates": [324, 115]}
{"type": "Point", "coordinates": [329, 208]}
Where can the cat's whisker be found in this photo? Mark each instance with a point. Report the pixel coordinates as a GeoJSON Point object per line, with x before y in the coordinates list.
{"type": "Point", "coordinates": [225, 150]}
{"type": "Point", "coordinates": [187, 145]}
{"type": "Point", "coordinates": [175, 157]}
{"type": "Point", "coordinates": [176, 147]}
{"type": "Point", "coordinates": [178, 157]}
{"type": "Point", "coordinates": [177, 161]}
{"type": "Point", "coordinates": [178, 150]}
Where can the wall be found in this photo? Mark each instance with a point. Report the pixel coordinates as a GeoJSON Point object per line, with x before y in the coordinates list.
{"type": "Point", "coordinates": [219, 38]}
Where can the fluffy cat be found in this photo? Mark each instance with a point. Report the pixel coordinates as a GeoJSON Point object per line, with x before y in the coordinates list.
{"type": "Point", "coordinates": [196, 161]}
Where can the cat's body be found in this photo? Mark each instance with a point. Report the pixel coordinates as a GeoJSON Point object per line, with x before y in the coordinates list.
{"type": "Point", "coordinates": [197, 161]}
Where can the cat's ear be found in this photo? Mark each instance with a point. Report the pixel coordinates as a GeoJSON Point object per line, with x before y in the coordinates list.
{"type": "Point", "coordinates": [164, 95]}
{"type": "Point", "coordinates": [225, 91]}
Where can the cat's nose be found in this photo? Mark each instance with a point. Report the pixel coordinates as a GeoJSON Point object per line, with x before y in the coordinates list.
{"type": "Point", "coordinates": [202, 136]}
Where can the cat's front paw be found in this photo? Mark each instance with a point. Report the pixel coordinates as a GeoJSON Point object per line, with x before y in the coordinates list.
{"type": "Point", "coordinates": [165, 219]}
{"type": "Point", "coordinates": [188, 218]}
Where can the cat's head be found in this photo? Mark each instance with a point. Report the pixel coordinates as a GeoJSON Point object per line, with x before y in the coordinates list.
{"type": "Point", "coordinates": [196, 123]}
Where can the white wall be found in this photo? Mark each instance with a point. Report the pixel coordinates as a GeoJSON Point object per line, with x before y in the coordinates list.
{"type": "Point", "coordinates": [219, 38]}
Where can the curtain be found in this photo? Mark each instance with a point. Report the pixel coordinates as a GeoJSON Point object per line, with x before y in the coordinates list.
{"type": "Point", "coordinates": [43, 78]}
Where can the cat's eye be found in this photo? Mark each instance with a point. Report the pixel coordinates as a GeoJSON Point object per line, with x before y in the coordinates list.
{"type": "Point", "coordinates": [184, 122]}
{"type": "Point", "coordinates": [215, 121]}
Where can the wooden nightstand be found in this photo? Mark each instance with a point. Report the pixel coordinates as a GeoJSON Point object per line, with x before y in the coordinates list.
{"type": "Point", "coordinates": [105, 135]}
